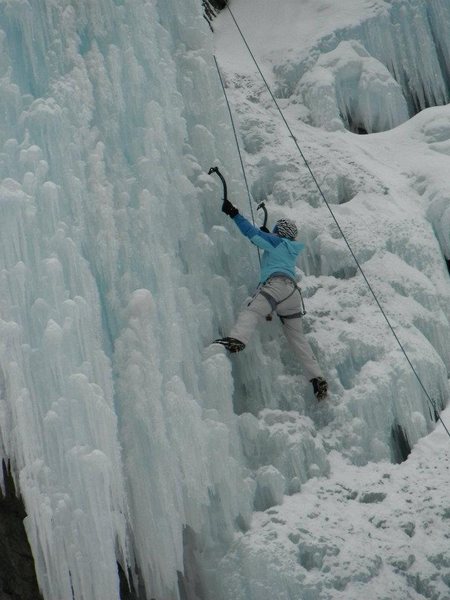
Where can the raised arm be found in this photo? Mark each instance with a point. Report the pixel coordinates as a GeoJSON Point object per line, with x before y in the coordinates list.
{"type": "Point", "coordinates": [266, 241]}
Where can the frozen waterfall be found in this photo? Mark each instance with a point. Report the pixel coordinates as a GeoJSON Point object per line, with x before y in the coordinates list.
{"type": "Point", "coordinates": [130, 440]}
{"type": "Point", "coordinates": [119, 435]}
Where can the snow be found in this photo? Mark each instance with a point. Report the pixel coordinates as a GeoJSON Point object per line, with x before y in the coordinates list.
{"type": "Point", "coordinates": [379, 530]}
{"type": "Point", "coordinates": [205, 476]}
{"type": "Point", "coordinates": [388, 192]}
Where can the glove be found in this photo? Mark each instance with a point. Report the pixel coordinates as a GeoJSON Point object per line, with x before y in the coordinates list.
{"type": "Point", "coordinates": [229, 209]}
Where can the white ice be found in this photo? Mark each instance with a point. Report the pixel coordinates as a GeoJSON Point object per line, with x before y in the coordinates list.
{"type": "Point", "coordinates": [130, 440]}
{"type": "Point", "coordinates": [348, 86]}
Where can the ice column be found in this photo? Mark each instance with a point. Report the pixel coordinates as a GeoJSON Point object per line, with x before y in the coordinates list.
{"type": "Point", "coordinates": [111, 286]}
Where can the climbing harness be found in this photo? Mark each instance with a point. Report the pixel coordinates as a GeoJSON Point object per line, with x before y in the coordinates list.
{"type": "Point", "coordinates": [300, 313]}
{"type": "Point", "coordinates": [291, 134]}
{"type": "Point", "coordinates": [274, 303]}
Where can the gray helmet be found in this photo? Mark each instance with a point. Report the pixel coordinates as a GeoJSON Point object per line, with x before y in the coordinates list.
{"type": "Point", "coordinates": [286, 228]}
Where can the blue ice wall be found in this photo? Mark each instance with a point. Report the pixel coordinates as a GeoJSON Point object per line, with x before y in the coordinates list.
{"type": "Point", "coordinates": [117, 268]}
{"type": "Point", "coordinates": [118, 432]}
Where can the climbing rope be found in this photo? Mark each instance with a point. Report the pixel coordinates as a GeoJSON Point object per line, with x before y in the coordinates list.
{"type": "Point", "coordinates": [427, 395]}
{"type": "Point", "coordinates": [238, 148]}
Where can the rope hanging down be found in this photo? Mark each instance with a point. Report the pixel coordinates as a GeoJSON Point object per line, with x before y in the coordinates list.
{"type": "Point", "coordinates": [238, 147]}
{"type": "Point", "coordinates": [427, 395]}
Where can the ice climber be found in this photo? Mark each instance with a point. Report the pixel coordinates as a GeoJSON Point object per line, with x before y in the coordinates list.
{"type": "Point", "coordinates": [277, 292]}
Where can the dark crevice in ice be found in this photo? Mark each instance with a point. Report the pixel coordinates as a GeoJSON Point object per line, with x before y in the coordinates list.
{"type": "Point", "coordinates": [218, 4]}
{"type": "Point", "coordinates": [359, 129]}
{"type": "Point", "coordinates": [401, 447]}
{"type": "Point", "coordinates": [189, 582]}
{"type": "Point", "coordinates": [127, 589]}
{"type": "Point", "coordinates": [345, 273]}
{"type": "Point", "coordinates": [355, 126]}
{"type": "Point", "coordinates": [434, 411]}
{"type": "Point", "coordinates": [211, 8]}
{"type": "Point", "coordinates": [17, 572]}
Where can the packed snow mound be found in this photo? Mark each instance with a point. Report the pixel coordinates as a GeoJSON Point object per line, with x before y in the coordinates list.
{"type": "Point", "coordinates": [378, 532]}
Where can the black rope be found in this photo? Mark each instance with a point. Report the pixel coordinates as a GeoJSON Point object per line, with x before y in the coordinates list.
{"type": "Point", "coordinates": [430, 400]}
{"type": "Point", "coordinates": [238, 148]}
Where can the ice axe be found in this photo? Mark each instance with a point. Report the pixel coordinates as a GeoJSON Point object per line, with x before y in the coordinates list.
{"type": "Point", "coordinates": [224, 183]}
{"type": "Point", "coordinates": [262, 206]}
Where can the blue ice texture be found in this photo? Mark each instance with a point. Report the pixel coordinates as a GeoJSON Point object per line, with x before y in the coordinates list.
{"type": "Point", "coordinates": [117, 269]}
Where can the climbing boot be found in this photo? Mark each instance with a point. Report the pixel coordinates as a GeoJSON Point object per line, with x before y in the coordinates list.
{"type": "Point", "coordinates": [231, 344]}
{"type": "Point", "coordinates": [320, 387]}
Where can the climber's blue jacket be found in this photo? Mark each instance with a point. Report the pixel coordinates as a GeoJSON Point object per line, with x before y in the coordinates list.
{"type": "Point", "coordinates": [280, 254]}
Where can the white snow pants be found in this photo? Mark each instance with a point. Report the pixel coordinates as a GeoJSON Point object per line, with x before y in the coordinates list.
{"type": "Point", "coordinates": [280, 288]}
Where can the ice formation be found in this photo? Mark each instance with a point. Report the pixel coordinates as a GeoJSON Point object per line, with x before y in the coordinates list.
{"type": "Point", "coordinates": [390, 33]}
{"type": "Point", "coordinates": [349, 86]}
{"type": "Point", "coordinates": [108, 413]}
{"type": "Point", "coordinates": [129, 441]}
